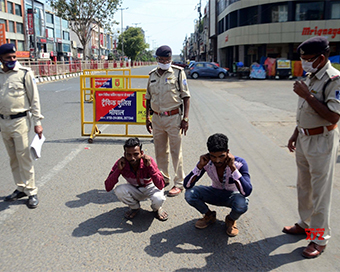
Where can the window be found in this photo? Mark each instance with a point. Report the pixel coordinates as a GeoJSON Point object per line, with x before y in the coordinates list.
{"type": "Point", "coordinates": [20, 28]}
{"type": "Point", "coordinates": [10, 26]}
{"type": "Point", "coordinates": [49, 18]}
{"type": "Point", "coordinates": [2, 5]}
{"type": "Point", "coordinates": [57, 27]}
{"type": "Point", "coordinates": [64, 24]}
{"type": "Point", "coordinates": [50, 32]}
{"type": "Point", "coordinates": [3, 22]}
{"type": "Point", "coordinates": [66, 35]}
{"type": "Point", "coordinates": [279, 13]}
{"type": "Point", "coordinates": [50, 47]}
{"type": "Point", "coordinates": [10, 7]}
{"type": "Point", "coordinates": [21, 46]}
{"type": "Point", "coordinates": [335, 8]}
{"type": "Point", "coordinates": [309, 11]}
{"type": "Point", "coordinates": [66, 48]}
{"type": "Point", "coordinates": [233, 19]}
{"type": "Point", "coordinates": [248, 16]}
{"type": "Point", "coordinates": [18, 10]}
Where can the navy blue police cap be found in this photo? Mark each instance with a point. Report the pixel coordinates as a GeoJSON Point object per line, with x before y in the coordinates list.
{"type": "Point", "coordinates": [163, 51]}
{"type": "Point", "coordinates": [313, 46]}
{"type": "Point", "coordinates": [7, 48]}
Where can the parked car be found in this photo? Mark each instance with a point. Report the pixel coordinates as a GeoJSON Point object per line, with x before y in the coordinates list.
{"type": "Point", "coordinates": [179, 63]}
{"type": "Point", "coordinates": [207, 69]}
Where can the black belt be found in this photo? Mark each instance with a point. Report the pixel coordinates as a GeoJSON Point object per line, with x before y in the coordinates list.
{"type": "Point", "coordinates": [13, 116]}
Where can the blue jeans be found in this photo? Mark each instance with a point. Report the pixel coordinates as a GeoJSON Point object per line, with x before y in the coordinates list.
{"type": "Point", "coordinates": [198, 196]}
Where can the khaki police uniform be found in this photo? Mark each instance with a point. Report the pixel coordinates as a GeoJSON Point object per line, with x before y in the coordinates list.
{"type": "Point", "coordinates": [316, 155]}
{"type": "Point", "coordinates": [165, 93]}
{"type": "Point", "coordinates": [19, 98]}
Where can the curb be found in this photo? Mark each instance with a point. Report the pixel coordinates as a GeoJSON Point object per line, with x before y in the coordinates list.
{"type": "Point", "coordinates": [55, 78]}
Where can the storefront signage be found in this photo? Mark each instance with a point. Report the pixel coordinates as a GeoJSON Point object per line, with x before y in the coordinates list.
{"type": "Point", "coordinates": [30, 22]}
{"type": "Point", "coordinates": [44, 55]}
{"type": "Point", "coordinates": [2, 34]}
{"type": "Point", "coordinates": [23, 54]}
{"type": "Point", "coordinates": [321, 31]}
{"type": "Point", "coordinates": [59, 40]}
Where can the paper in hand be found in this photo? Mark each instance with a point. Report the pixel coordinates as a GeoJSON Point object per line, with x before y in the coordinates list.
{"type": "Point", "coordinates": [36, 146]}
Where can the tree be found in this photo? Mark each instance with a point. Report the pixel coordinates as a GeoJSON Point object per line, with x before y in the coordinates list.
{"type": "Point", "coordinates": [85, 15]}
{"type": "Point", "coordinates": [133, 42]}
{"type": "Point", "coordinates": [146, 55]}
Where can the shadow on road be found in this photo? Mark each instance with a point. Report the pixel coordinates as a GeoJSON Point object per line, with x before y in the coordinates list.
{"type": "Point", "coordinates": [224, 254]}
{"type": "Point", "coordinates": [113, 222]}
{"type": "Point", "coordinates": [93, 196]}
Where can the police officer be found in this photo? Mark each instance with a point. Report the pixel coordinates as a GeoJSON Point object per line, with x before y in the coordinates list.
{"type": "Point", "coordinates": [19, 99]}
{"type": "Point", "coordinates": [168, 97]}
{"type": "Point", "coordinates": [315, 141]}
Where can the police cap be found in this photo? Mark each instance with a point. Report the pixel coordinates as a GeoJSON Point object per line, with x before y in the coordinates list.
{"type": "Point", "coordinates": [7, 48]}
{"type": "Point", "coordinates": [163, 51]}
{"type": "Point", "coordinates": [313, 46]}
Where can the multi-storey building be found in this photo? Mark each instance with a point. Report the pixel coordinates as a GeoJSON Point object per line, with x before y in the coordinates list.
{"type": "Point", "coordinates": [12, 25]}
{"type": "Point", "coordinates": [247, 30]}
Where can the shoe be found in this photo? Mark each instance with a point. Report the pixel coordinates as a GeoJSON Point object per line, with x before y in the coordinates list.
{"type": "Point", "coordinates": [15, 196]}
{"type": "Point", "coordinates": [206, 220]}
{"type": "Point", "coordinates": [231, 227]}
{"type": "Point", "coordinates": [313, 250]}
{"type": "Point", "coordinates": [32, 201]}
{"type": "Point", "coordinates": [174, 191]}
{"type": "Point", "coordinates": [296, 229]}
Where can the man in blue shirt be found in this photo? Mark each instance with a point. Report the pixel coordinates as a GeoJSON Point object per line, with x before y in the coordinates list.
{"type": "Point", "coordinates": [230, 184]}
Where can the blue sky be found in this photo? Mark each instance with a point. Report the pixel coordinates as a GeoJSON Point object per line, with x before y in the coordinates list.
{"type": "Point", "coordinates": [164, 21]}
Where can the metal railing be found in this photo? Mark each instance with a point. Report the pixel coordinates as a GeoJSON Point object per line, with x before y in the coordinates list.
{"type": "Point", "coordinates": [46, 68]}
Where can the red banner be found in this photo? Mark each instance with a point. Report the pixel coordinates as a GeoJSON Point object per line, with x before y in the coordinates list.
{"type": "Point", "coordinates": [30, 23]}
{"type": "Point", "coordinates": [2, 34]}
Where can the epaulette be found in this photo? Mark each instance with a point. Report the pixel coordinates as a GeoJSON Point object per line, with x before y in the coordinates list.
{"type": "Point", "coordinates": [335, 77]}
{"type": "Point", "coordinates": [24, 68]}
{"type": "Point", "coordinates": [152, 71]}
{"type": "Point", "coordinates": [176, 67]}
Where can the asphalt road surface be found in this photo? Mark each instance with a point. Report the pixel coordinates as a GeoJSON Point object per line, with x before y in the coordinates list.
{"type": "Point", "coordinates": [78, 226]}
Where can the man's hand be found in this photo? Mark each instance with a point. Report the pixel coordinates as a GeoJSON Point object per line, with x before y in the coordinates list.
{"type": "Point", "coordinates": [184, 127]}
{"type": "Point", "coordinates": [204, 159]}
{"type": "Point", "coordinates": [121, 163]}
{"type": "Point", "coordinates": [147, 160]}
{"type": "Point", "coordinates": [301, 89]}
{"type": "Point", "coordinates": [38, 130]}
{"type": "Point", "coordinates": [149, 125]}
{"type": "Point", "coordinates": [231, 162]}
{"type": "Point", "coordinates": [292, 141]}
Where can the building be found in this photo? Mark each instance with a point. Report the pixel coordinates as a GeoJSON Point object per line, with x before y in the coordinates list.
{"type": "Point", "coordinates": [247, 30]}
{"type": "Point", "coordinates": [12, 28]}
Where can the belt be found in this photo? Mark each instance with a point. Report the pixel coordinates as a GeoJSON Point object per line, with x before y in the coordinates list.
{"type": "Point", "coordinates": [13, 116]}
{"type": "Point", "coordinates": [316, 131]}
{"type": "Point", "coordinates": [167, 113]}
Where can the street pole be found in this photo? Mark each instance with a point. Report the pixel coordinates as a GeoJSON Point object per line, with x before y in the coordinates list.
{"type": "Point", "coordinates": [121, 9]}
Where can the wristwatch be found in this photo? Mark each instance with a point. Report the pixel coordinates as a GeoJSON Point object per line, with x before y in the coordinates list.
{"type": "Point", "coordinates": [185, 119]}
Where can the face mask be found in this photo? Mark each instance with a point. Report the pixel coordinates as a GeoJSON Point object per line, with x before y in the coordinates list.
{"type": "Point", "coordinates": [164, 66]}
{"type": "Point", "coordinates": [10, 64]}
{"type": "Point", "coordinates": [308, 66]}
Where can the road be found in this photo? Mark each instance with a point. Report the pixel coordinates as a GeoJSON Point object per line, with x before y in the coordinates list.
{"type": "Point", "coordinates": [78, 226]}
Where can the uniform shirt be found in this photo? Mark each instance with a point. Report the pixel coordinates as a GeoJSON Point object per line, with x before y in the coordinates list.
{"type": "Point", "coordinates": [239, 180]}
{"type": "Point", "coordinates": [145, 175]}
{"type": "Point", "coordinates": [166, 91]}
{"type": "Point", "coordinates": [306, 116]}
{"type": "Point", "coordinates": [19, 95]}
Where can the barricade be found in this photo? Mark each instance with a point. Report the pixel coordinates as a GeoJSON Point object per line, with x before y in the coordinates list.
{"type": "Point", "coordinates": [114, 102]}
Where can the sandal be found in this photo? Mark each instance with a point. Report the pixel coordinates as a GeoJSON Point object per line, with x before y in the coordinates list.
{"type": "Point", "coordinates": [161, 215]}
{"type": "Point", "coordinates": [131, 213]}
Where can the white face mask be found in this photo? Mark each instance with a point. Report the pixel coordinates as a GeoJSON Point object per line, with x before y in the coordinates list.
{"type": "Point", "coordinates": [308, 66]}
{"type": "Point", "coordinates": [164, 66]}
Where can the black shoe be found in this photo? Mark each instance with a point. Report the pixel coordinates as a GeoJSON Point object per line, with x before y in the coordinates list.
{"type": "Point", "coordinates": [32, 201]}
{"type": "Point", "coordinates": [15, 196]}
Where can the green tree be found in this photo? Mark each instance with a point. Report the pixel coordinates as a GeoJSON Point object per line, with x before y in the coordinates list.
{"type": "Point", "coordinates": [85, 15]}
{"type": "Point", "coordinates": [133, 42]}
{"type": "Point", "coordinates": [146, 55]}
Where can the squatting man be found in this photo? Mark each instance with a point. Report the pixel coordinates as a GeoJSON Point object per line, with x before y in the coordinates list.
{"type": "Point", "coordinates": [230, 184]}
{"type": "Point", "coordinates": [143, 177]}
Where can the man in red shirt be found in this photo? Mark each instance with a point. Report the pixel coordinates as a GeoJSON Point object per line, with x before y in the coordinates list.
{"type": "Point", "coordinates": [143, 177]}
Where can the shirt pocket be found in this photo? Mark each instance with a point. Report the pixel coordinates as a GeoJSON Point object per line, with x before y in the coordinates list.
{"type": "Point", "coordinates": [16, 89]}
